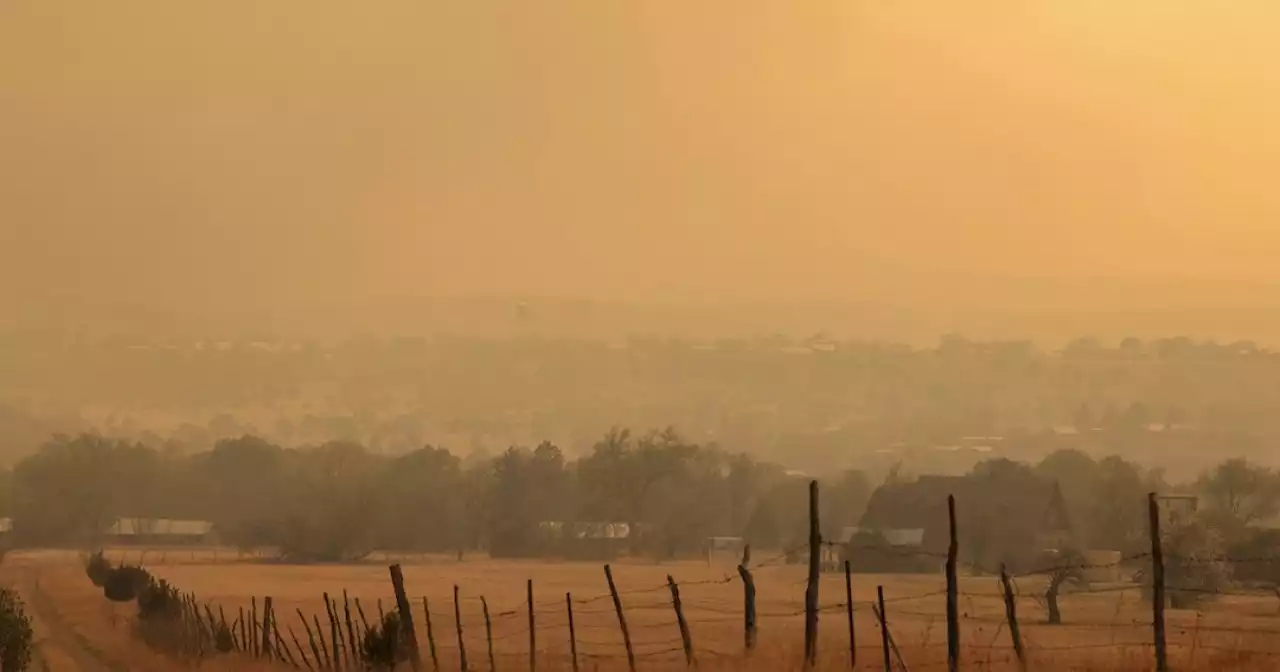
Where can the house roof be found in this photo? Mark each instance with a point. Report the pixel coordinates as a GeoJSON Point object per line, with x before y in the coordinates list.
{"type": "Point", "coordinates": [1025, 500]}
{"type": "Point", "coordinates": [130, 527]}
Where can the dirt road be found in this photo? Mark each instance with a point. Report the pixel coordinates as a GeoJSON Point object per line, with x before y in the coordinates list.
{"type": "Point", "coordinates": [59, 647]}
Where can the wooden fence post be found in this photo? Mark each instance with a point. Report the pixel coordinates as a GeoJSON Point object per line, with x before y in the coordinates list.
{"type": "Point", "coordinates": [811, 590]}
{"type": "Point", "coordinates": [298, 646]}
{"type": "Point", "coordinates": [335, 631]}
{"type": "Point", "coordinates": [1157, 583]}
{"type": "Point", "coordinates": [848, 603]}
{"type": "Point", "coordinates": [953, 591]}
{"type": "Point", "coordinates": [431, 635]}
{"type": "Point", "coordinates": [266, 627]}
{"type": "Point", "coordinates": [324, 647]}
{"type": "Point", "coordinates": [573, 635]}
{"type": "Point", "coordinates": [748, 608]}
{"type": "Point", "coordinates": [245, 646]}
{"type": "Point", "coordinates": [253, 626]}
{"type": "Point", "coordinates": [457, 619]}
{"type": "Point", "coordinates": [488, 633]}
{"type": "Point", "coordinates": [357, 656]}
{"type": "Point", "coordinates": [406, 618]}
{"type": "Point", "coordinates": [685, 639]}
{"type": "Point", "coordinates": [311, 639]}
{"type": "Point", "coordinates": [884, 629]}
{"type": "Point", "coordinates": [622, 619]}
{"type": "Point", "coordinates": [533, 629]}
{"type": "Point", "coordinates": [1011, 613]}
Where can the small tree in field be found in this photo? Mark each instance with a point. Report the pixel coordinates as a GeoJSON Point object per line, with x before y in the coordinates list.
{"type": "Point", "coordinates": [1066, 568]}
{"type": "Point", "coordinates": [15, 633]}
{"type": "Point", "coordinates": [1195, 570]}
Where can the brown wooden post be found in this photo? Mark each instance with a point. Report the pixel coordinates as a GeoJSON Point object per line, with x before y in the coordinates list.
{"type": "Point", "coordinates": [811, 590]}
{"type": "Point", "coordinates": [748, 608]}
{"type": "Point", "coordinates": [573, 634]}
{"type": "Point", "coordinates": [299, 647]}
{"type": "Point", "coordinates": [533, 630]}
{"type": "Point", "coordinates": [253, 626]}
{"type": "Point", "coordinates": [488, 633]}
{"type": "Point", "coordinates": [953, 591]}
{"type": "Point", "coordinates": [406, 618]}
{"type": "Point", "coordinates": [245, 646]}
{"type": "Point", "coordinates": [324, 647]}
{"type": "Point", "coordinates": [335, 631]}
{"type": "Point", "coordinates": [457, 619]}
{"type": "Point", "coordinates": [364, 622]}
{"type": "Point", "coordinates": [685, 639]}
{"type": "Point", "coordinates": [281, 646]}
{"type": "Point", "coordinates": [311, 639]}
{"type": "Point", "coordinates": [1157, 583]}
{"type": "Point", "coordinates": [848, 604]}
{"type": "Point", "coordinates": [356, 656]}
{"type": "Point", "coordinates": [884, 629]}
{"type": "Point", "coordinates": [1011, 613]}
{"type": "Point", "coordinates": [431, 635]}
{"type": "Point", "coordinates": [622, 619]}
{"type": "Point", "coordinates": [266, 627]}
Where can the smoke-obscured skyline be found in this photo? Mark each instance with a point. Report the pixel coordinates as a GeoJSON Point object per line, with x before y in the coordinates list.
{"type": "Point", "coordinates": [304, 153]}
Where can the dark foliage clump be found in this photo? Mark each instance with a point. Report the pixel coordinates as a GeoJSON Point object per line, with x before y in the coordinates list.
{"type": "Point", "coordinates": [125, 583]}
{"type": "Point", "coordinates": [98, 569]}
{"type": "Point", "coordinates": [384, 645]}
{"type": "Point", "coordinates": [223, 640]}
{"type": "Point", "coordinates": [15, 633]}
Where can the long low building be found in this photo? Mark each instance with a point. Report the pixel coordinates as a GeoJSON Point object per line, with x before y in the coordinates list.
{"type": "Point", "coordinates": [160, 532]}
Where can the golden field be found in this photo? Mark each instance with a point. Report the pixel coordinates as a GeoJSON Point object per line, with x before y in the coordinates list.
{"type": "Point", "coordinates": [1106, 629]}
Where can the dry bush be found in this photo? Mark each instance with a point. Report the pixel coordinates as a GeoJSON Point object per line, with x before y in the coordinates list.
{"type": "Point", "coordinates": [15, 633]}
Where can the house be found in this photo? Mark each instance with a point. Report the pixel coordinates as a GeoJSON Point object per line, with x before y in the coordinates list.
{"type": "Point", "coordinates": [159, 532]}
{"type": "Point", "coordinates": [1010, 518]}
{"type": "Point", "coordinates": [580, 540]}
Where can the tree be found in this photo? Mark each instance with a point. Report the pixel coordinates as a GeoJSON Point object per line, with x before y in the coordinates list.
{"type": "Point", "coordinates": [73, 487]}
{"type": "Point", "coordinates": [15, 632]}
{"type": "Point", "coordinates": [1237, 493]}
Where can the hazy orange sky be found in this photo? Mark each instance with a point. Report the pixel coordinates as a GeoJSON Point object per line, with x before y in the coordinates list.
{"type": "Point", "coordinates": [293, 151]}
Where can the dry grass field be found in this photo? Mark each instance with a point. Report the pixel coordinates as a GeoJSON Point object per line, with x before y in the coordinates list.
{"type": "Point", "coordinates": [1106, 629]}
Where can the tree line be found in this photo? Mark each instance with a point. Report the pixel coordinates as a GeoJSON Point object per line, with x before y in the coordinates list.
{"type": "Point", "coordinates": [339, 501]}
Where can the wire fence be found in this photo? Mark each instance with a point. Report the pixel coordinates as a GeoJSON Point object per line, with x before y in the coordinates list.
{"type": "Point", "coordinates": [1045, 612]}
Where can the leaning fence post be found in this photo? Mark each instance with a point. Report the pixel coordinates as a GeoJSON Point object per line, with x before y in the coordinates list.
{"type": "Point", "coordinates": [1157, 583]}
{"type": "Point", "coordinates": [573, 635]}
{"type": "Point", "coordinates": [811, 590]}
{"type": "Point", "coordinates": [685, 639]}
{"type": "Point", "coordinates": [953, 591]}
{"type": "Point", "coordinates": [431, 635]}
{"type": "Point", "coordinates": [406, 618]}
{"type": "Point", "coordinates": [748, 608]}
{"type": "Point", "coordinates": [888, 636]}
{"type": "Point", "coordinates": [457, 619]}
{"type": "Point", "coordinates": [324, 648]}
{"type": "Point", "coordinates": [253, 625]}
{"type": "Point", "coordinates": [311, 639]}
{"type": "Point", "coordinates": [1011, 612]}
{"type": "Point", "coordinates": [356, 656]}
{"type": "Point", "coordinates": [299, 647]}
{"type": "Point", "coordinates": [244, 637]}
{"type": "Point", "coordinates": [335, 631]}
{"type": "Point", "coordinates": [884, 629]}
{"type": "Point", "coordinates": [848, 603]}
{"type": "Point", "coordinates": [488, 632]}
{"type": "Point", "coordinates": [266, 627]}
{"type": "Point", "coordinates": [622, 619]}
{"type": "Point", "coordinates": [533, 630]}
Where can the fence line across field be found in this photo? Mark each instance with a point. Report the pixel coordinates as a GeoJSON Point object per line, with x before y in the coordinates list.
{"type": "Point", "coordinates": [344, 636]}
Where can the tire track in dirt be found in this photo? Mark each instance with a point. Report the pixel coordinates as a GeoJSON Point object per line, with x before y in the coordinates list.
{"type": "Point", "coordinates": [60, 647]}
